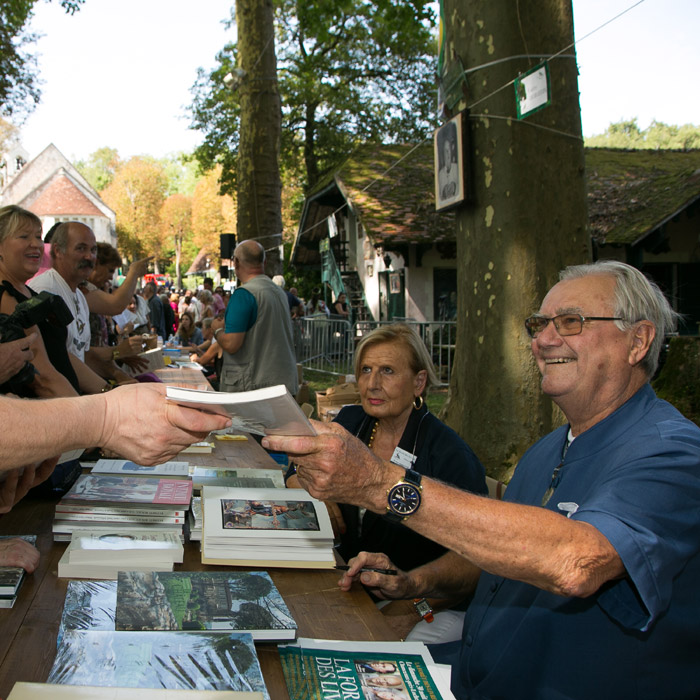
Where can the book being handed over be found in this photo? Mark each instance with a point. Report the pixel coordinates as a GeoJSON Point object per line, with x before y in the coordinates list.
{"type": "Point", "coordinates": [268, 411]}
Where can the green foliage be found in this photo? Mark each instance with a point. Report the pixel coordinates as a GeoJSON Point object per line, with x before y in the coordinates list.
{"type": "Point", "coordinates": [100, 167]}
{"type": "Point", "coordinates": [627, 134]}
{"type": "Point", "coordinates": [19, 91]}
{"type": "Point", "coordinates": [349, 72]}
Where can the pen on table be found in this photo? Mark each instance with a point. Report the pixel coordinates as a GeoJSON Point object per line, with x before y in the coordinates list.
{"type": "Point", "coordinates": [386, 572]}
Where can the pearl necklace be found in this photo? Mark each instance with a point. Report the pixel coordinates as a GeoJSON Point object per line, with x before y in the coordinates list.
{"type": "Point", "coordinates": [372, 436]}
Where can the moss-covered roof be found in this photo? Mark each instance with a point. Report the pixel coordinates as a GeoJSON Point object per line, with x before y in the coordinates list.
{"type": "Point", "coordinates": [391, 190]}
{"type": "Point", "coordinates": [631, 193]}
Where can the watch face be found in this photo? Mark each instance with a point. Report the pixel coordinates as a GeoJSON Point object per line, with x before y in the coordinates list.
{"type": "Point", "coordinates": [404, 499]}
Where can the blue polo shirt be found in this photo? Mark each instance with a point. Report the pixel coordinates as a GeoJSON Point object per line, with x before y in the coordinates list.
{"type": "Point", "coordinates": [635, 476]}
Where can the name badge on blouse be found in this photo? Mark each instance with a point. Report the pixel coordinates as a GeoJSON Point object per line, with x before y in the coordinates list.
{"type": "Point", "coordinates": [402, 458]}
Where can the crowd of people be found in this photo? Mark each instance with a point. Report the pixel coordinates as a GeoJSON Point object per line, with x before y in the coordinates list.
{"type": "Point", "coordinates": [581, 582]}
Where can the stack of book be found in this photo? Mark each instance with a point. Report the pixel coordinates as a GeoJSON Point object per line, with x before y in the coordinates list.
{"type": "Point", "coordinates": [11, 577]}
{"type": "Point", "coordinates": [266, 527]}
{"type": "Point", "coordinates": [194, 519]}
{"type": "Point", "coordinates": [122, 504]}
{"type": "Point", "coordinates": [123, 467]}
{"type": "Point", "coordinates": [103, 555]}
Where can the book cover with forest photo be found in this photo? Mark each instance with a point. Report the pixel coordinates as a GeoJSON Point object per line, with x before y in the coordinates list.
{"type": "Point", "coordinates": [245, 601]}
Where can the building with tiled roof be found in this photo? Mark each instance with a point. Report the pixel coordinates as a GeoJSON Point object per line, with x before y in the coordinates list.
{"type": "Point", "coordinates": [54, 190]}
{"type": "Point", "coordinates": [372, 224]}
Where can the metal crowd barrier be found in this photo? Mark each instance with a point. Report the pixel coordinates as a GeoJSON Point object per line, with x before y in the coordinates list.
{"type": "Point", "coordinates": [328, 344]}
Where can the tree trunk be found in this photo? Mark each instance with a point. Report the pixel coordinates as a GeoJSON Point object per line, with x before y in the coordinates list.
{"type": "Point", "coordinates": [259, 185]}
{"type": "Point", "coordinates": [526, 220]}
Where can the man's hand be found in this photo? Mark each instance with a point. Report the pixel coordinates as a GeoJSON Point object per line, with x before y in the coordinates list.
{"type": "Point", "coordinates": [217, 323]}
{"type": "Point", "coordinates": [14, 354]}
{"type": "Point", "coordinates": [334, 512]}
{"type": "Point", "coordinates": [17, 482]}
{"type": "Point", "coordinates": [140, 267]}
{"type": "Point", "coordinates": [336, 466]}
{"type": "Point", "coordinates": [18, 552]}
{"type": "Point", "coordinates": [382, 586]}
{"type": "Point", "coordinates": [140, 424]}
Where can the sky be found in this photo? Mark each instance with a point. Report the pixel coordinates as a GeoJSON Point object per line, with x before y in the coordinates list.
{"type": "Point", "coordinates": [118, 73]}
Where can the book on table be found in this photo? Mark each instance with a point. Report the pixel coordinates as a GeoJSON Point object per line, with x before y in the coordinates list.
{"type": "Point", "coordinates": [175, 660]}
{"type": "Point", "coordinates": [37, 691]}
{"type": "Point", "coordinates": [129, 492]}
{"type": "Point", "coordinates": [237, 601]}
{"type": "Point", "coordinates": [199, 448]}
{"type": "Point", "coordinates": [99, 548]}
{"type": "Point", "coordinates": [124, 467]}
{"type": "Point", "coordinates": [265, 527]}
{"type": "Point", "coordinates": [103, 555]}
{"type": "Point", "coordinates": [64, 530]}
{"type": "Point", "coordinates": [268, 411]}
{"type": "Point", "coordinates": [316, 669]}
{"type": "Point", "coordinates": [194, 519]}
{"type": "Point", "coordinates": [239, 478]}
{"type": "Point", "coordinates": [12, 577]}
{"type": "Point", "coordinates": [89, 605]}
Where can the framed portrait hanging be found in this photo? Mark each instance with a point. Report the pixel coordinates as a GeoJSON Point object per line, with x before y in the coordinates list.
{"type": "Point", "coordinates": [448, 142]}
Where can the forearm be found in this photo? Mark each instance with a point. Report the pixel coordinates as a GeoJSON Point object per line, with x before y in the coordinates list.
{"type": "Point", "coordinates": [89, 381]}
{"type": "Point", "coordinates": [231, 342]}
{"type": "Point", "coordinates": [450, 576]}
{"type": "Point", "coordinates": [526, 543]}
{"type": "Point", "coordinates": [57, 425]}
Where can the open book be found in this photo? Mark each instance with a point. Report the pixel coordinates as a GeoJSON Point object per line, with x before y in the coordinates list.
{"type": "Point", "coordinates": [268, 411]}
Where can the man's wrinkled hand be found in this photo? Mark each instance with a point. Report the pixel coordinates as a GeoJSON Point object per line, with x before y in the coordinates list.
{"type": "Point", "coordinates": [18, 552]}
{"type": "Point", "coordinates": [381, 585]}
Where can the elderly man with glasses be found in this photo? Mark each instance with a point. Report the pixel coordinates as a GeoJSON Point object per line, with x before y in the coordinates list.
{"type": "Point", "coordinates": [587, 575]}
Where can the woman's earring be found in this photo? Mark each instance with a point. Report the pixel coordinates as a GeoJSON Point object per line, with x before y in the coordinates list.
{"type": "Point", "coordinates": [418, 403]}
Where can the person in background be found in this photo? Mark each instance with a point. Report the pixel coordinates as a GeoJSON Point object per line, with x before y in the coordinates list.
{"type": "Point", "coordinates": [74, 251]}
{"type": "Point", "coordinates": [168, 315]}
{"type": "Point", "coordinates": [256, 335]}
{"type": "Point", "coordinates": [586, 574]}
{"type": "Point", "coordinates": [217, 298]}
{"type": "Point", "coordinates": [316, 305]}
{"type": "Point", "coordinates": [113, 421]}
{"type": "Point", "coordinates": [206, 299]}
{"type": "Point", "coordinates": [188, 334]}
{"type": "Point", "coordinates": [340, 306]}
{"type": "Point", "coordinates": [296, 308]}
{"type": "Point", "coordinates": [175, 305]}
{"type": "Point", "coordinates": [21, 250]}
{"type": "Point", "coordinates": [394, 374]}
{"type": "Point", "coordinates": [156, 314]}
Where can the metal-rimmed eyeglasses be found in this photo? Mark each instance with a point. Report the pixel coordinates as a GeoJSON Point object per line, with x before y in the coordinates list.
{"type": "Point", "coordinates": [566, 324]}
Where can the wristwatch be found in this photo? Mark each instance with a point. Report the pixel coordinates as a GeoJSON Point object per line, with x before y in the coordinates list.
{"type": "Point", "coordinates": [404, 497]}
{"type": "Point", "coordinates": [423, 608]}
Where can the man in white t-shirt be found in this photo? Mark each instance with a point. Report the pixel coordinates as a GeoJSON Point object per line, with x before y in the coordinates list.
{"type": "Point", "coordinates": [73, 252]}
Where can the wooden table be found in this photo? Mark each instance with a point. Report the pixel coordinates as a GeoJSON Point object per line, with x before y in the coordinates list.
{"type": "Point", "coordinates": [28, 638]}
